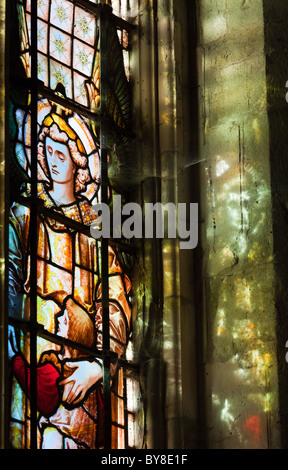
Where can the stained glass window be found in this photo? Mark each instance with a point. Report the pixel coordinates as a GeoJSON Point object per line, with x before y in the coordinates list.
{"type": "Point", "coordinates": [73, 376]}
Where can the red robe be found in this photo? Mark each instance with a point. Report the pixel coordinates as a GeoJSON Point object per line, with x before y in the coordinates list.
{"type": "Point", "coordinates": [48, 396]}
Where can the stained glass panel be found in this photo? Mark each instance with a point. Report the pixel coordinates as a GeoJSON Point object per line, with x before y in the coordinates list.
{"type": "Point", "coordinates": [56, 38]}
{"type": "Point", "coordinates": [69, 291]}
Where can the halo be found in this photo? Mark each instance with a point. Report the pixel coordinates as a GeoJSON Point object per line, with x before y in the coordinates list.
{"type": "Point", "coordinates": [78, 125]}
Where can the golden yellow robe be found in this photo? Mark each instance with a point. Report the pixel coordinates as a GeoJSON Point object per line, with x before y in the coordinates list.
{"type": "Point", "coordinates": [67, 265]}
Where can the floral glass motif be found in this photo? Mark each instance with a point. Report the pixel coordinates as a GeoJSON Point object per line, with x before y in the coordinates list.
{"type": "Point", "coordinates": [56, 38]}
{"type": "Point", "coordinates": [84, 26]}
{"type": "Point", "coordinates": [60, 46]}
{"type": "Point", "coordinates": [62, 15]}
{"type": "Point", "coordinates": [42, 31]}
{"type": "Point", "coordinates": [70, 56]}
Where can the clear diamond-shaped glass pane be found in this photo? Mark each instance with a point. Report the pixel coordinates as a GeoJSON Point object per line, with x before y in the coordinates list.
{"type": "Point", "coordinates": [82, 57]}
{"type": "Point", "coordinates": [62, 14]}
{"type": "Point", "coordinates": [80, 91]}
{"type": "Point", "coordinates": [85, 26]}
{"type": "Point", "coordinates": [60, 46]}
{"type": "Point", "coordinates": [61, 74]}
{"type": "Point", "coordinates": [42, 34]}
{"type": "Point", "coordinates": [42, 68]}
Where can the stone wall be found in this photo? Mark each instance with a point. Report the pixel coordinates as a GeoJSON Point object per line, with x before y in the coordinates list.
{"type": "Point", "coordinates": [239, 281]}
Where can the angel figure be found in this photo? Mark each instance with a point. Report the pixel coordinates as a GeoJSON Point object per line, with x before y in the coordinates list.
{"type": "Point", "coordinates": [68, 279]}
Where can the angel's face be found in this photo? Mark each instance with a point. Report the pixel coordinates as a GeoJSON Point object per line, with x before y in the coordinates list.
{"type": "Point", "coordinates": [59, 161]}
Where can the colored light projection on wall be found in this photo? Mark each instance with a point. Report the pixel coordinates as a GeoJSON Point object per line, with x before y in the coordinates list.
{"type": "Point", "coordinates": [242, 383]}
{"type": "Point", "coordinates": [241, 338]}
{"type": "Point", "coordinates": [70, 405]}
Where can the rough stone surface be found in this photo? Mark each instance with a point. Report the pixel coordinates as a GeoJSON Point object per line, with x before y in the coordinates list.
{"type": "Point", "coordinates": [242, 395]}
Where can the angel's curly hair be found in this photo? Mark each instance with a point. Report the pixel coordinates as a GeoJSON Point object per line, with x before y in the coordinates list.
{"type": "Point", "coordinates": [82, 174]}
